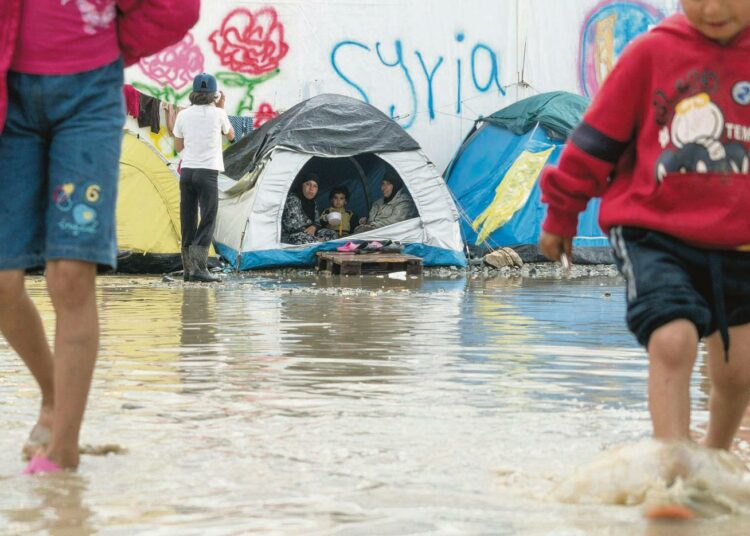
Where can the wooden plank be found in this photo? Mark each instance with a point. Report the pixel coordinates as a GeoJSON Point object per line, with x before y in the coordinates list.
{"type": "Point", "coordinates": [351, 268]}
{"type": "Point", "coordinates": [369, 257]}
{"type": "Point", "coordinates": [347, 263]}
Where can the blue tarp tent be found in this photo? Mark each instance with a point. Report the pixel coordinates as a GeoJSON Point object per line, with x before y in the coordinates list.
{"type": "Point", "coordinates": [494, 176]}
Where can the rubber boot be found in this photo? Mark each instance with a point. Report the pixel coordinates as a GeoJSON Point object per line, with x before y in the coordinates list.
{"type": "Point", "coordinates": [199, 259]}
{"type": "Point", "coordinates": [187, 266]}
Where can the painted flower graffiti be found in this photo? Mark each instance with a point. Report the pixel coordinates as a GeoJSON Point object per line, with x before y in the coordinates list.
{"type": "Point", "coordinates": [249, 43]}
{"type": "Point", "coordinates": [173, 68]}
{"type": "Point", "coordinates": [606, 32]}
{"type": "Point", "coordinates": [264, 114]}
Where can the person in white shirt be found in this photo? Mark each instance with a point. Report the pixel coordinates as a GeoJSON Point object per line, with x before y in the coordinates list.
{"type": "Point", "coordinates": [197, 131]}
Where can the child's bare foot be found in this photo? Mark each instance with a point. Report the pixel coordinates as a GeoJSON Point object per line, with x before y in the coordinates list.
{"type": "Point", "coordinates": [38, 439]}
{"type": "Point", "coordinates": [63, 457]}
{"type": "Point", "coordinates": [40, 434]}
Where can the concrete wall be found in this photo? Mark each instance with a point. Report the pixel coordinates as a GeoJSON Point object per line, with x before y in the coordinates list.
{"type": "Point", "coordinates": [435, 66]}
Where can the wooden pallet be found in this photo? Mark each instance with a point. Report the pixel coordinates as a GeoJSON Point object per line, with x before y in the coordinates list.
{"type": "Point", "coordinates": [337, 262]}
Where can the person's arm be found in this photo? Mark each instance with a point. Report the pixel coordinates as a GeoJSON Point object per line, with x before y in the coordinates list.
{"type": "Point", "coordinates": [179, 137]}
{"type": "Point", "coordinates": [594, 149]}
{"type": "Point", "coordinates": [145, 28]}
{"type": "Point", "coordinates": [226, 126]}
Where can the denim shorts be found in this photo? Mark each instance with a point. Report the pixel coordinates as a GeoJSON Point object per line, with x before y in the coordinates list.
{"type": "Point", "coordinates": [59, 166]}
{"type": "Point", "coordinates": [668, 280]}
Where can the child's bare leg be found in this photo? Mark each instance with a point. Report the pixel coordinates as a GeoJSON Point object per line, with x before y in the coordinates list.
{"type": "Point", "coordinates": [672, 352]}
{"type": "Point", "coordinates": [730, 386]}
{"type": "Point", "coordinates": [22, 327]}
{"type": "Point", "coordinates": [72, 288]}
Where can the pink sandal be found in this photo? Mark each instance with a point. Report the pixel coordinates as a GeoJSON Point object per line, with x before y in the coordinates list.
{"type": "Point", "coordinates": [349, 247]}
{"type": "Point", "coordinates": [40, 464]}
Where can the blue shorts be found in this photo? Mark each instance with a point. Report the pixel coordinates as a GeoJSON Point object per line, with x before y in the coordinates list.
{"type": "Point", "coordinates": [59, 165]}
{"type": "Point", "coordinates": [668, 280]}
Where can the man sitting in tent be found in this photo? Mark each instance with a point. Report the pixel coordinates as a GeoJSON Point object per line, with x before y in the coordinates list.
{"type": "Point", "coordinates": [299, 222]}
{"type": "Point", "coordinates": [395, 206]}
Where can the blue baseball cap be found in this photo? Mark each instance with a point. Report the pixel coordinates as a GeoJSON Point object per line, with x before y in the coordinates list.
{"type": "Point", "coordinates": [204, 83]}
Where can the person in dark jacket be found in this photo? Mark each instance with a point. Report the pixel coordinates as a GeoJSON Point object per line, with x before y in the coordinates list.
{"type": "Point", "coordinates": [300, 219]}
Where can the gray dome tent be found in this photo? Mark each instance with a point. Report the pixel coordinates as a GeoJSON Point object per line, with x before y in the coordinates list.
{"type": "Point", "coordinates": [346, 142]}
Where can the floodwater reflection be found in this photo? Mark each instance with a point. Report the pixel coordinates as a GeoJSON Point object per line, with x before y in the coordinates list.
{"type": "Point", "coordinates": [352, 405]}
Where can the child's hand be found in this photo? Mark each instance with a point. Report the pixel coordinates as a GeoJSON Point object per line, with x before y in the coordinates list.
{"type": "Point", "coordinates": [222, 99]}
{"type": "Point", "coordinates": [362, 221]}
{"type": "Point", "coordinates": [553, 246]}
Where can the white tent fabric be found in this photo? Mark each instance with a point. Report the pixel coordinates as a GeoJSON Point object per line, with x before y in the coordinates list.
{"type": "Point", "coordinates": [249, 225]}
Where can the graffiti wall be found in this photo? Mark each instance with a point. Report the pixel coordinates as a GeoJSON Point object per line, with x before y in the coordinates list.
{"type": "Point", "coordinates": [434, 66]}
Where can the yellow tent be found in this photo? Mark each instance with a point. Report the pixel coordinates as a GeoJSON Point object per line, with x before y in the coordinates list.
{"type": "Point", "coordinates": [148, 210]}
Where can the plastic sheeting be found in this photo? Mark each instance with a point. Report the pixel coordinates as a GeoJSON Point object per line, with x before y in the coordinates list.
{"type": "Point", "coordinates": [148, 210]}
{"type": "Point", "coordinates": [327, 125]}
{"type": "Point", "coordinates": [512, 193]}
{"type": "Point", "coordinates": [558, 112]}
{"type": "Point", "coordinates": [494, 177]}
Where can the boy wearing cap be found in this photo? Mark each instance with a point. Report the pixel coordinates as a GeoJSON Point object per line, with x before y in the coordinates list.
{"type": "Point", "coordinates": [198, 130]}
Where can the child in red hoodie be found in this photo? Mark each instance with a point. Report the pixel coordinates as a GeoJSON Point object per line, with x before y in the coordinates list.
{"type": "Point", "coordinates": [665, 145]}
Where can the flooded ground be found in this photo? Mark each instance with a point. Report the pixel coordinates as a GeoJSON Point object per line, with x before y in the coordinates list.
{"type": "Point", "coordinates": [345, 406]}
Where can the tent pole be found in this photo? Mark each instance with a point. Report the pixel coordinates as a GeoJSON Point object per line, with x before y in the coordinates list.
{"type": "Point", "coordinates": [363, 178]}
{"type": "Point", "coordinates": [239, 249]}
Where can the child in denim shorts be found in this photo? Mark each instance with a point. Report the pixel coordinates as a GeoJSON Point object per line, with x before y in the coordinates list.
{"type": "Point", "coordinates": [665, 144]}
{"type": "Point", "coordinates": [61, 120]}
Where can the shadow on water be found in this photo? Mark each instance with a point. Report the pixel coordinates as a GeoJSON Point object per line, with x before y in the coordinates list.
{"type": "Point", "coordinates": [53, 505]}
{"type": "Point", "coordinates": [359, 405]}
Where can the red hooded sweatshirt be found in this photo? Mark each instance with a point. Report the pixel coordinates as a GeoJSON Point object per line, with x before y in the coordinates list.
{"type": "Point", "coordinates": [665, 144]}
{"type": "Point", "coordinates": [143, 27]}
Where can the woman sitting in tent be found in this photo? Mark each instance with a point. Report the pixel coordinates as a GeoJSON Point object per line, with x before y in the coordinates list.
{"type": "Point", "coordinates": [299, 220]}
{"type": "Point", "coordinates": [395, 206]}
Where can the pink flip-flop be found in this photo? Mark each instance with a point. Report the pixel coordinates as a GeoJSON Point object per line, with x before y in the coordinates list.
{"type": "Point", "coordinates": [348, 247]}
{"type": "Point", "coordinates": [40, 464]}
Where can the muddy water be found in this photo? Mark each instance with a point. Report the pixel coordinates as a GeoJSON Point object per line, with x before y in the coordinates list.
{"type": "Point", "coordinates": [345, 406]}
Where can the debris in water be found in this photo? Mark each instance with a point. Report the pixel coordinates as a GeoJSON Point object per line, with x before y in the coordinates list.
{"type": "Point", "coordinates": [710, 482]}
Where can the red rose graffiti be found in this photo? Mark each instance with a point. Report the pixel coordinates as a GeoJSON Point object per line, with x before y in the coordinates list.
{"type": "Point", "coordinates": [264, 114]}
{"type": "Point", "coordinates": [249, 43]}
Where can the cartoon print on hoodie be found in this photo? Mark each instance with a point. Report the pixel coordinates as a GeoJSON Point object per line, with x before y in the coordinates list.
{"type": "Point", "coordinates": [95, 14]}
{"type": "Point", "coordinates": [671, 154]}
{"type": "Point", "coordinates": [696, 132]}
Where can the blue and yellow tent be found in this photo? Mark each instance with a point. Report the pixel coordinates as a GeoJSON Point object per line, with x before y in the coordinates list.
{"type": "Point", "coordinates": [494, 177]}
